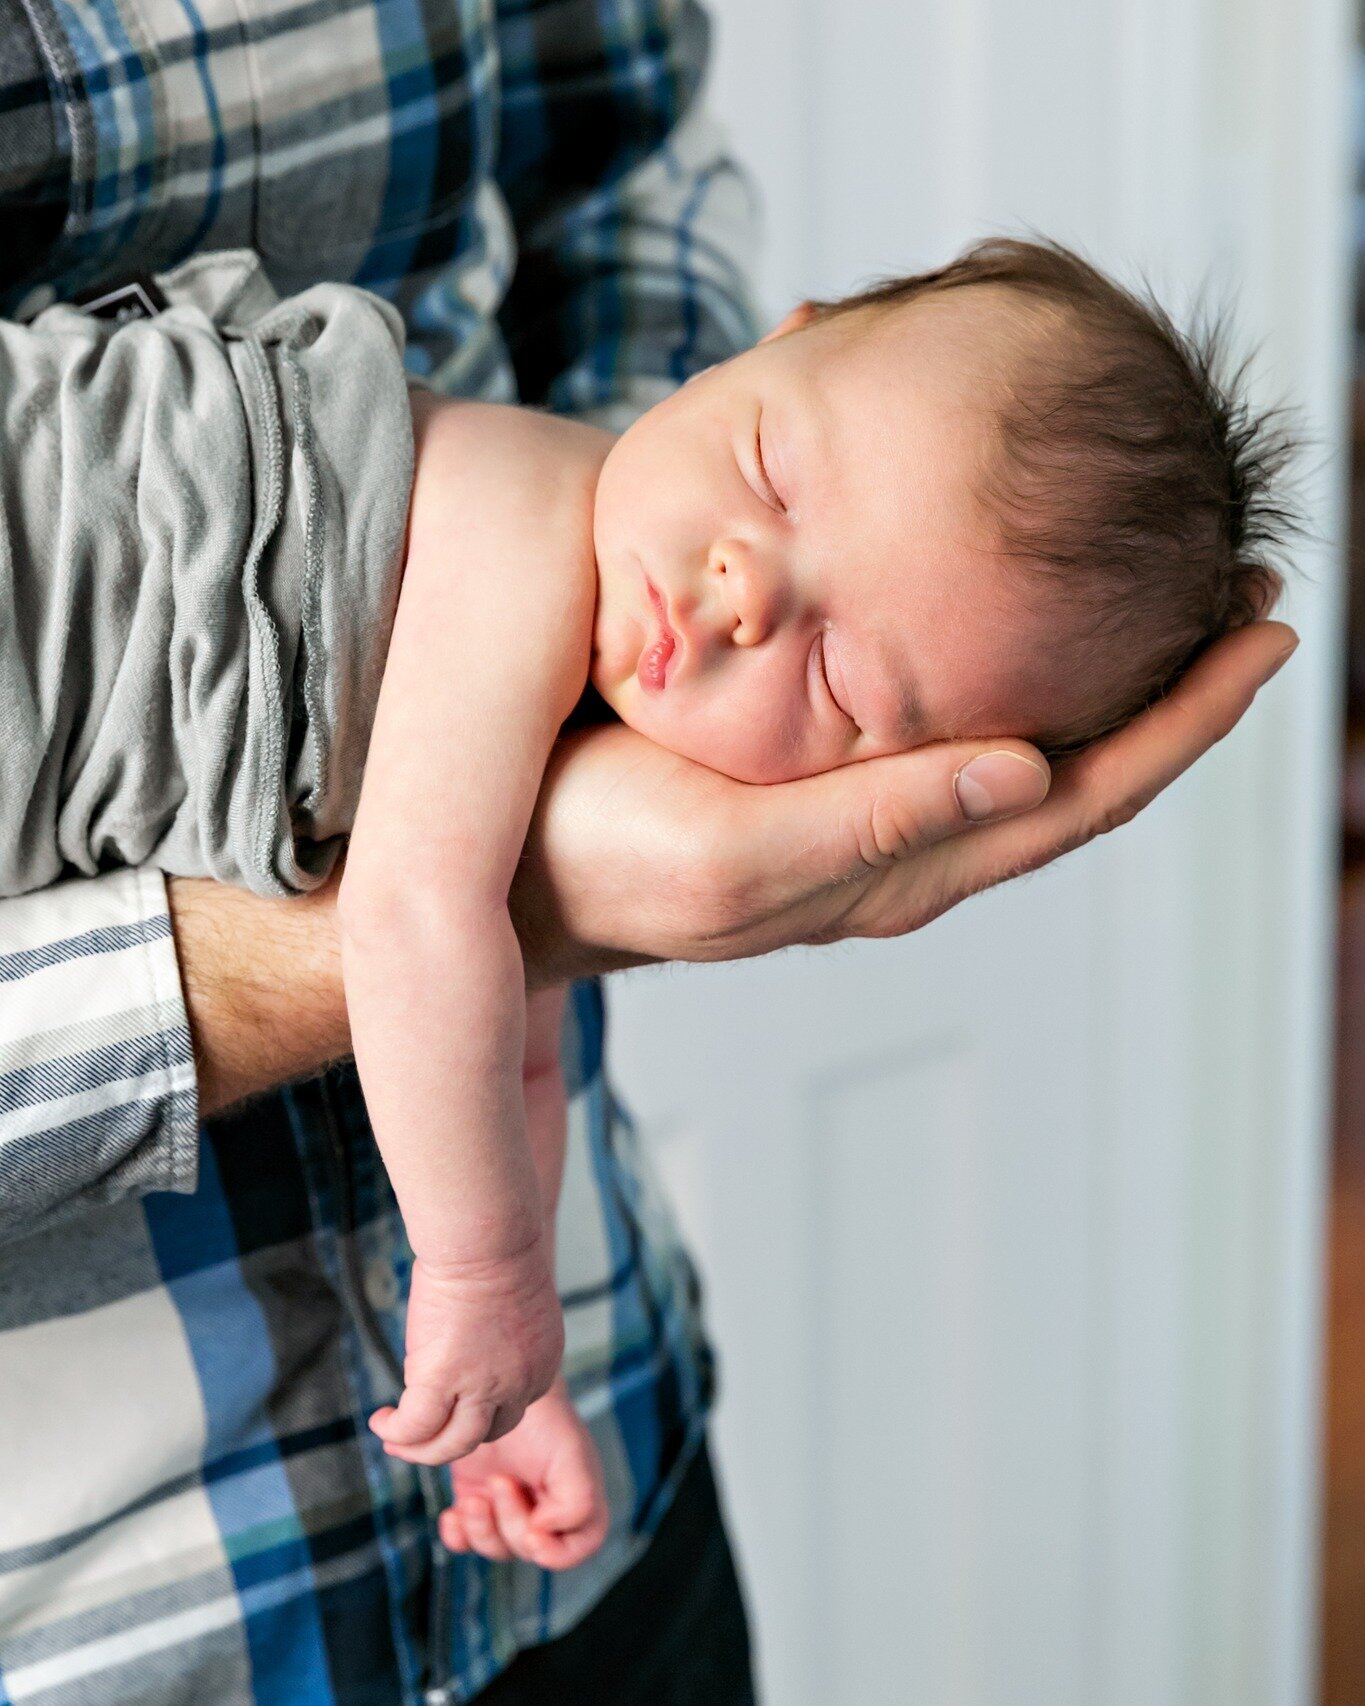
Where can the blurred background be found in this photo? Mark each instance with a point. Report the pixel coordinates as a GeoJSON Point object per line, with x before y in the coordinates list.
{"type": "Point", "coordinates": [1016, 1233]}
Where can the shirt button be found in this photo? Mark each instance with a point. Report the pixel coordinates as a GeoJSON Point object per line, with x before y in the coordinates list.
{"type": "Point", "coordinates": [381, 1284]}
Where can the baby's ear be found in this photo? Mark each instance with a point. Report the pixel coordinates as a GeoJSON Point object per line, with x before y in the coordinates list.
{"type": "Point", "coordinates": [801, 315]}
{"type": "Point", "coordinates": [1255, 593]}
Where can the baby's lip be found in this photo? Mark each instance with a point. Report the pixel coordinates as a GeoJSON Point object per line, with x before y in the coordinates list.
{"type": "Point", "coordinates": [658, 655]}
{"type": "Point", "coordinates": [660, 603]}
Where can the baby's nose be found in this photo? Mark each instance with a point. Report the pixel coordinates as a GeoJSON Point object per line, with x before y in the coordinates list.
{"type": "Point", "coordinates": [751, 595]}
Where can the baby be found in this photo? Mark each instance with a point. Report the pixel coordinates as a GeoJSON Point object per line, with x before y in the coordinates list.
{"type": "Point", "coordinates": [1000, 499]}
{"type": "Point", "coordinates": [1004, 498]}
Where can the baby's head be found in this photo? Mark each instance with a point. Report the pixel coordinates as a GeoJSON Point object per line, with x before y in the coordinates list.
{"type": "Point", "coordinates": [1003, 498]}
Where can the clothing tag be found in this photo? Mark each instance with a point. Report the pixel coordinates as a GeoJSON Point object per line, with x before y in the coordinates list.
{"type": "Point", "coordinates": [139, 299]}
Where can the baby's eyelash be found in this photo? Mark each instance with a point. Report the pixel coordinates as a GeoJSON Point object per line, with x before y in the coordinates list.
{"type": "Point", "coordinates": [824, 676]}
{"type": "Point", "coordinates": [771, 489]}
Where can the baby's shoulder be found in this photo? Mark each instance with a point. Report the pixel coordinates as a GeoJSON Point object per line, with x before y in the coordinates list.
{"type": "Point", "coordinates": [538, 623]}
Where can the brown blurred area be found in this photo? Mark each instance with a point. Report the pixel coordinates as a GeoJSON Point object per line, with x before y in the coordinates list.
{"type": "Point", "coordinates": [1343, 1604]}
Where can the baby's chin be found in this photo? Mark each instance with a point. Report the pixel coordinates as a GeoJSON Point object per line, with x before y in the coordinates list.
{"type": "Point", "coordinates": [623, 694]}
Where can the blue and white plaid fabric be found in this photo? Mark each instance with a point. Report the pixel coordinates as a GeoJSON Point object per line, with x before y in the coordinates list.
{"type": "Point", "coordinates": [193, 1327]}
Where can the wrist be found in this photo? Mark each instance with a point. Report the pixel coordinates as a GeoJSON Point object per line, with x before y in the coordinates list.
{"type": "Point", "coordinates": [516, 1244]}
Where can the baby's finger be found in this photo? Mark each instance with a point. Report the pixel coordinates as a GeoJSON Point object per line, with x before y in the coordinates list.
{"type": "Point", "coordinates": [558, 1550]}
{"type": "Point", "coordinates": [421, 1412]}
{"type": "Point", "coordinates": [464, 1432]}
{"type": "Point", "coordinates": [573, 1494]}
{"type": "Point", "coordinates": [570, 1519]}
{"type": "Point", "coordinates": [512, 1511]}
{"type": "Point", "coordinates": [482, 1530]}
{"type": "Point", "coordinates": [450, 1527]}
{"type": "Point", "coordinates": [564, 1510]}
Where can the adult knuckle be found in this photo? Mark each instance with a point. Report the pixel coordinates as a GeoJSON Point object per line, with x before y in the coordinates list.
{"type": "Point", "coordinates": [826, 933]}
{"type": "Point", "coordinates": [948, 890]}
{"type": "Point", "coordinates": [889, 830]}
{"type": "Point", "coordinates": [1093, 813]}
{"type": "Point", "coordinates": [1114, 814]}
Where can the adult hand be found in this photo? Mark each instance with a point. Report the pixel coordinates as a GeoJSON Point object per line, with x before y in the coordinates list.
{"type": "Point", "coordinates": [638, 855]}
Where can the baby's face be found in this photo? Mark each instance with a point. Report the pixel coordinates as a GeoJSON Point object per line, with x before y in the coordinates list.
{"type": "Point", "coordinates": [794, 571]}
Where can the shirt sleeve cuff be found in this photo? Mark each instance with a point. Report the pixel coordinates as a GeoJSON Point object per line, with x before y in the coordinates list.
{"type": "Point", "coordinates": [97, 1090]}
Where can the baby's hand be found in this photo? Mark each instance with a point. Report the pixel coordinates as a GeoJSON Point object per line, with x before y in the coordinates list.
{"type": "Point", "coordinates": [484, 1340]}
{"type": "Point", "coordinates": [537, 1494]}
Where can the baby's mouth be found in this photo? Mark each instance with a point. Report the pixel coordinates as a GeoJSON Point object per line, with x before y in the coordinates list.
{"type": "Point", "coordinates": [652, 669]}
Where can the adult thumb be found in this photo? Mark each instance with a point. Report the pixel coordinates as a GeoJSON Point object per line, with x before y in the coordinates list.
{"type": "Point", "coordinates": [1001, 783]}
{"type": "Point", "coordinates": [845, 822]}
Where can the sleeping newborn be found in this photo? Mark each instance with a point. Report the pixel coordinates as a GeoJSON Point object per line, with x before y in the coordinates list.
{"type": "Point", "coordinates": [1003, 499]}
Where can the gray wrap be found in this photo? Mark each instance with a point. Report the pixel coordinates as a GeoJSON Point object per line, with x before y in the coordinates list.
{"type": "Point", "coordinates": [201, 527]}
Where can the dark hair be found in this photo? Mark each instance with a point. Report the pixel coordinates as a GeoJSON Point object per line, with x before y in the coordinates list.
{"type": "Point", "coordinates": [1131, 469]}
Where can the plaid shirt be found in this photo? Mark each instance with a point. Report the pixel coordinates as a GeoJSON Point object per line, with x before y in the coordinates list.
{"type": "Point", "coordinates": [194, 1324]}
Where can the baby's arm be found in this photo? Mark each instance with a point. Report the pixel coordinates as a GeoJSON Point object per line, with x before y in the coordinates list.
{"type": "Point", "coordinates": [542, 1081]}
{"type": "Point", "coordinates": [488, 655]}
{"type": "Point", "coordinates": [538, 1493]}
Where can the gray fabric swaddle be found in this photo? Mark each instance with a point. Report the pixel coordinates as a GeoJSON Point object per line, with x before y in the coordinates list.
{"type": "Point", "coordinates": [201, 527]}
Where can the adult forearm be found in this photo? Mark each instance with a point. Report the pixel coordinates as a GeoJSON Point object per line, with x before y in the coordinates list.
{"type": "Point", "coordinates": [262, 981]}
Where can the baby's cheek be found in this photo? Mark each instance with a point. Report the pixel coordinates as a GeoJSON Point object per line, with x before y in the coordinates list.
{"type": "Point", "coordinates": [758, 744]}
{"type": "Point", "coordinates": [747, 737]}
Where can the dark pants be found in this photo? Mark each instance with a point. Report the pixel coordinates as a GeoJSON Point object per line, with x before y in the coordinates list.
{"type": "Point", "coordinates": [670, 1633]}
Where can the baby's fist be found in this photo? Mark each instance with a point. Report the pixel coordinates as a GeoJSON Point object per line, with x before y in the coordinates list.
{"type": "Point", "coordinates": [536, 1495]}
{"type": "Point", "coordinates": [483, 1341]}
